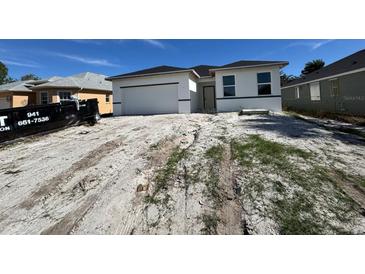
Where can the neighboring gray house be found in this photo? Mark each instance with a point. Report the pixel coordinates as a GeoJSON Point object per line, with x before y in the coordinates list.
{"type": "Point", "coordinates": [336, 88]}
{"type": "Point", "coordinates": [231, 87]}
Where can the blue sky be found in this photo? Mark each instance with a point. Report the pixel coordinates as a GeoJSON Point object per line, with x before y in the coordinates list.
{"type": "Point", "coordinates": [47, 58]}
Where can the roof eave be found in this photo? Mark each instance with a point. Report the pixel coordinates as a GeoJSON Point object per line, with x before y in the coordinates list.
{"type": "Point", "coordinates": [281, 64]}
{"type": "Point", "coordinates": [53, 87]}
{"type": "Point", "coordinates": [152, 74]}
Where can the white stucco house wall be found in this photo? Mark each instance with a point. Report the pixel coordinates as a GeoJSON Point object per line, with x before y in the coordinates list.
{"type": "Point", "coordinates": [166, 89]}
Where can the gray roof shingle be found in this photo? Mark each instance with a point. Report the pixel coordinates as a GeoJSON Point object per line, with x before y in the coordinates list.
{"type": "Point", "coordinates": [248, 63]}
{"type": "Point", "coordinates": [86, 80]}
{"type": "Point", "coordinates": [153, 70]}
{"type": "Point", "coordinates": [201, 70]}
{"type": "Point", "coordinates": [352, 62]}
{"type": "Point", "coordinates": [16, 86]}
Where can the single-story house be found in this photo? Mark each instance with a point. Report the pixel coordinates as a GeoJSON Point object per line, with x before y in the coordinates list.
{"type": "Point", "coordinates": [85, 85]}
{"type": "Point", "coordinates": [203, 88]}
{"type": "Point", "coordinates": [20, 93]}
{"type": "Point", "coordinates": [336, 88]}
{"type": "Point", "coordinates": [16, 94]}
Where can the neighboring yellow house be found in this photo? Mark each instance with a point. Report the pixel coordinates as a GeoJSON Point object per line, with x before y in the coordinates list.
{"type": "Point", "coordinates": [85, 85]}
{"type": "Point", "coordinates": [16, 94]}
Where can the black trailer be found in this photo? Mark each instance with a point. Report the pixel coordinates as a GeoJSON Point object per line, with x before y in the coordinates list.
{"type": "Point", "coordinates": [23, 121]}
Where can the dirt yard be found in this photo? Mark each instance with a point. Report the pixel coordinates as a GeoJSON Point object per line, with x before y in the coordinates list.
{"type": "Point", "coordinates": [185, 174]}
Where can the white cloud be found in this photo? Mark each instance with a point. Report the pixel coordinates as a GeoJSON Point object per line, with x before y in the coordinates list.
{"type": "Point", "coordinates": [86, 60]}
{"type": "Point", "coordinates": [155, 43]}
{"type": "Point", "coordinates": [312, 45]}
{"type": "Point", "coordinates": [20, 64]}
{"type": "Point", "coordinates": [320, 44]}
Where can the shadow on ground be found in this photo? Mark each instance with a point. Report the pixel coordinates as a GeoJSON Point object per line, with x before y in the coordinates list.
{"type": "Point", "coordinates": [296, 128]}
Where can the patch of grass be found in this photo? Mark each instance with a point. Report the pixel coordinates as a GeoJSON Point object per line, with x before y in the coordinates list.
{"type": "Point", "coordinates": [213, 189]}
{"type": "Point", "coordinates": [314, 185]}
{"type": "Point", "coordinates": [278, 187]}
{"type": "Point", "coordinates": [164, 174]}
{"type": "Point", "coordinates": [154, 146]}
{"type": "Point", "coordinates": [296, 216]}
{"type": "Point", "coordinates": [215, 153]}
{"type": "Point", "coordinates": [267, 156]}
{"type": "Point", "coordinates": [222, 138]}
{"type": "Point", "coordinates": [149, 199]}
{"type": "Point", "coordinates": [362, 182]}
{"type": "Point", "coordinates": [210, 224]}
{"type": "Point", "coordinates": [191, 177]}
{"type": "Point", "coordinates": [356, 179]}
{"type": "Point", "coordinates": [266, 151]}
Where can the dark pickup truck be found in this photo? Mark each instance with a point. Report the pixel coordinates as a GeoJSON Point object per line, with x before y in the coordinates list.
{"type": "Point", "coordinates": [23, 121]}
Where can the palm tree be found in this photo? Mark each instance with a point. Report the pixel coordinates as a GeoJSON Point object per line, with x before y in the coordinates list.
{"type": "Point", "coordinates": [285, 78]}
{"type": "Point", "coordinates": [313, 66]}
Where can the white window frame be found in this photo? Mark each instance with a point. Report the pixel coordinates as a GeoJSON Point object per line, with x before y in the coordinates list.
{"type": "Point", "coordinates": [332, 93]}
{"type": "Point", "coordinates": [268, 83]}
{"type": "Point", "coordinates": [234, 75]}
{"type": "Point", "coordinates": [297, 93]}
{"type": "Point", "coordinates": [63, 91]}
{"type": "Point", "coordinates": [44, 92]}
{"type": "Point", "coordinates": [315, 91]}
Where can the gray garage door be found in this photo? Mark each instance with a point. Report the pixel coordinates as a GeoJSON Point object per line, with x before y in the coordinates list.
{"type": "Point", "coordinates": [154, 99]}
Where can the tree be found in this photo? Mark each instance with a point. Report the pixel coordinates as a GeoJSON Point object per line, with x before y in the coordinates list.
{"type": "Point", "coordinates": [3, 73]}
{"type": "Point", "coordinates": [29, 76]}
{"type": "Point", "coordinates": [4, 77]}
{"type": "Point", "coordinates": [313, 66]}
{"type": "Point", "coordinates": [285, 78]}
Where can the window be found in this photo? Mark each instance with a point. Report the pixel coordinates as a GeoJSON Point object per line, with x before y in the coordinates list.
{"type": "Point", "coordinates": [44, 98]}
{"type": "Point", "coordinates": [64, 95]}
{"type": "Point", "coordinates": [315, 91]}
{"type": "Point", "coordinates": [107, 98]}
{"type": "Point", "coordinates": [229, 85]}
{"type": "Point", "coordinates": [296, 94]}
{"type": "Point", "coordinates": [334, 87]}
{"type": "Point", "coordinates": [264, 83]}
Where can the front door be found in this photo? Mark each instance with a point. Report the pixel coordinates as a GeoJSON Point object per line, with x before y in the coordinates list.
{"type": "Point", "coordinates": [209, 99]}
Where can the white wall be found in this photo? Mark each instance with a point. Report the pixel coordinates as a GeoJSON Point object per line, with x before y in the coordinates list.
{"type": "Point", "coordinates": [273, 104]}
{"type": "Point", "coordinates": [183, 88]}
{"type": "Point", "coordinates": [117, 98]}
{"type": "Point", "coordinates": [194, 103]}
{"type": "Point", "coordinates": [246, 86]}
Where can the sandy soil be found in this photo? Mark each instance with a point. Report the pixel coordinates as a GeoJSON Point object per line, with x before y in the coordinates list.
{"type": "Point", "coordinates": [150, 175]}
